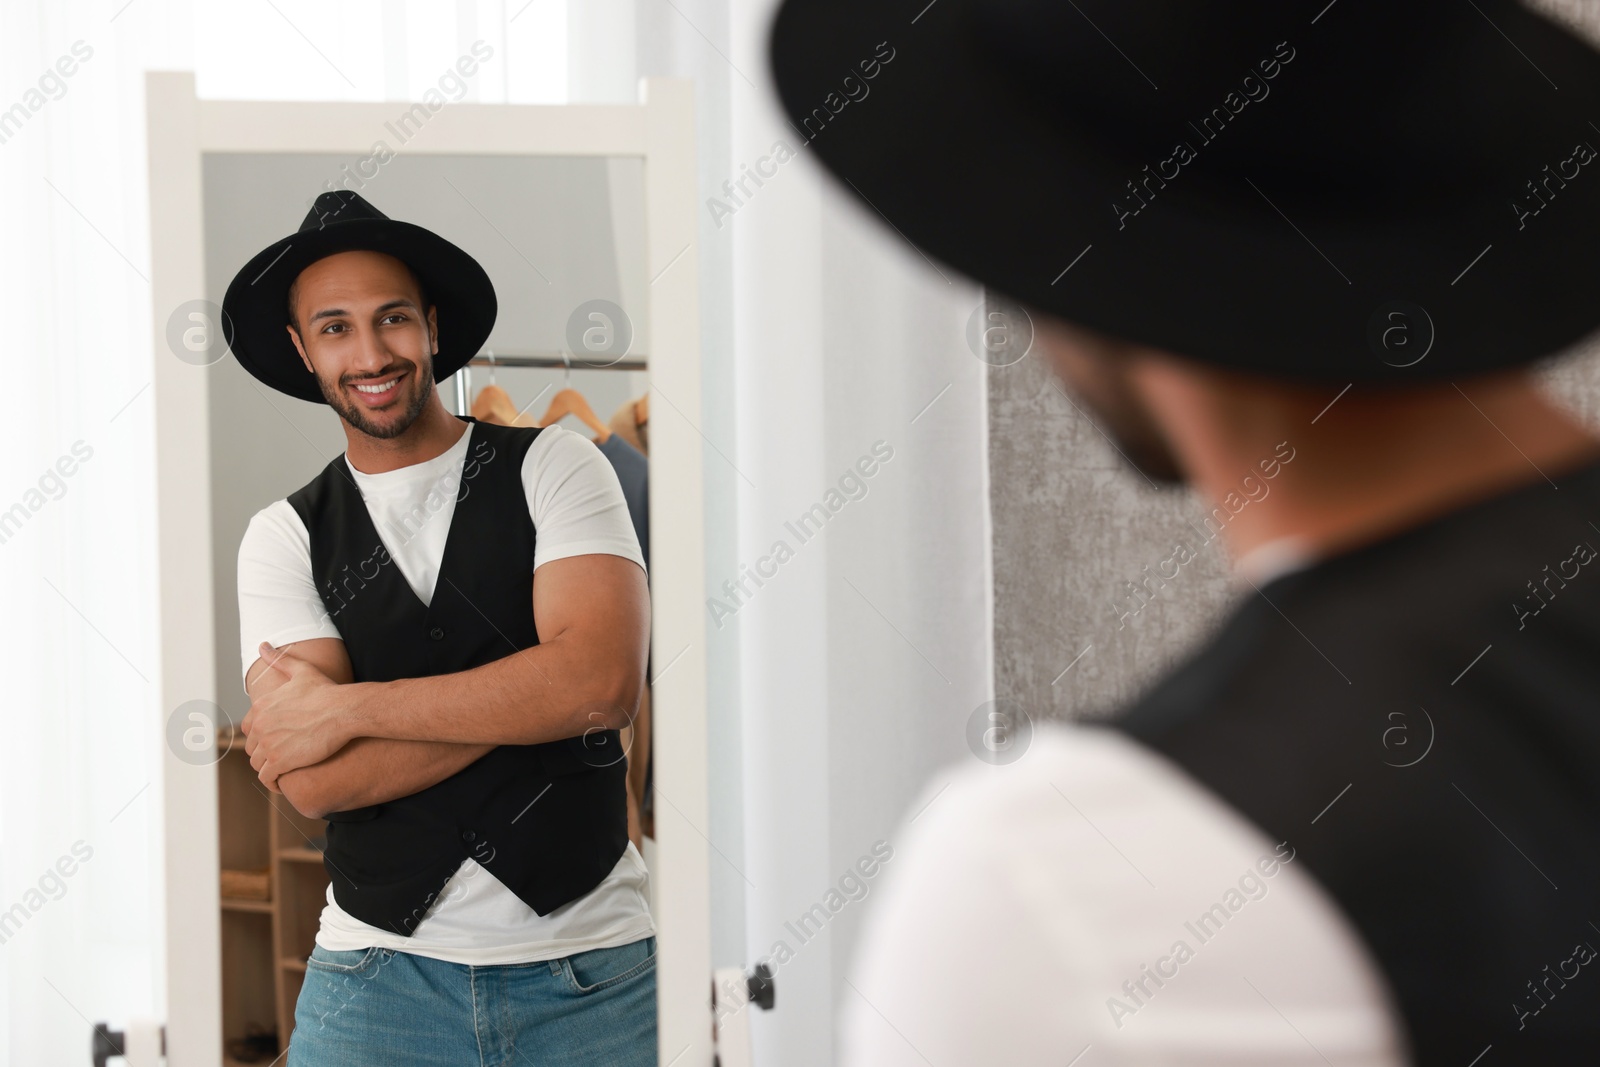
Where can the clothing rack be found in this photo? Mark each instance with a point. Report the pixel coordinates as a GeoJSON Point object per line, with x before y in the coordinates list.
{"type": "Point", "coordinates": [550, 361]}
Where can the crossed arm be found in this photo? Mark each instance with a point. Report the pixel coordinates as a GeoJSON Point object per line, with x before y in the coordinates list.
{"type": "Point", "coordinates": [329, 743]}
{"type": "Point", "coordinates": [367, 770]}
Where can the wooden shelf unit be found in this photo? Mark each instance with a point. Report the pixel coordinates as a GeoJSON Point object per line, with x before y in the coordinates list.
{"type": "Point", "coordinates": [265, 942]}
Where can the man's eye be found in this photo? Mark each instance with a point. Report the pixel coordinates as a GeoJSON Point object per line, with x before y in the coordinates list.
{"type": "Point", "coordinates": [333, 326]}
{"type": "Point", "coordinates": [395, 317]}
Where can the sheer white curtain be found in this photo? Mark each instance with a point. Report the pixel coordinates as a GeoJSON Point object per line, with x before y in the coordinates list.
{"type": "Point", "coordinates": [79, 806]}
{"type": "Point", "coordinates": [80, 849]}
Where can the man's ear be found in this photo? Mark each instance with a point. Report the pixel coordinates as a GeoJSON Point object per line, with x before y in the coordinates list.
{"type": "Point", "coordinates": [433, 330]}
{"type": "Point", "coordinates": [294, 335]}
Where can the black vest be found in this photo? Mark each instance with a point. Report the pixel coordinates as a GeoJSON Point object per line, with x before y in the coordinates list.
{"type": "Point", "coordinates": [1424, 728]}
{"type": "Point", "coordinates": [548, 820]}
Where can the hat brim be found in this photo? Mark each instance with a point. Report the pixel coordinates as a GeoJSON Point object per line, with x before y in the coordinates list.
{"type": "Point", "coordinates": [971, 168]}
{"type": "Point", "coordinates": [255, 305]}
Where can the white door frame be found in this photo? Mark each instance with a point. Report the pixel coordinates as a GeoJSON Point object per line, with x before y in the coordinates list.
{"type": "Point", "coordinates": [660, 129]}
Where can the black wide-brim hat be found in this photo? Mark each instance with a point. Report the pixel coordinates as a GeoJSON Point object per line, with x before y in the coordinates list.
{"type": "Point", "coordinates": [256, 304]}
{"type": "Point", "coordinates": [1334, 191]}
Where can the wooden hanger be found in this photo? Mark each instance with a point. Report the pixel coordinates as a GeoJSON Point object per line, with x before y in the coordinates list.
{"type": "Point", "coordinates": [571, 402]}
{"type": "Point", "coordinates": [494, 404]}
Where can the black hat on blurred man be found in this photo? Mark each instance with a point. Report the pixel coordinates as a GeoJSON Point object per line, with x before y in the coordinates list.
{"type": "Point", "coordinates": [1332, 191]}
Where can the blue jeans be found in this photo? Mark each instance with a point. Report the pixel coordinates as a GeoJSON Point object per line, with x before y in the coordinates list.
{"type": "Point", "coordinates": [376, 1007]}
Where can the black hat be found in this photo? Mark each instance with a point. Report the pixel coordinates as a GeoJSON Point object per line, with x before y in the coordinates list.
{"type": "Point", "coordinates": [256, 304]}
{"type": "Point", "coordinates": [1324, 189]}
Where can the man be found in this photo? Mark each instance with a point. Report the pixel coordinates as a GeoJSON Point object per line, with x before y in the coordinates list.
{"type": "Point", "coordinates": [443, 633]}
{"type": "Point", "coordinates": [1299, 256]}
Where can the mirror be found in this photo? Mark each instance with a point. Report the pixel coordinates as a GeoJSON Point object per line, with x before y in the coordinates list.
{"type": "Point", "coordinates": [563, 238]}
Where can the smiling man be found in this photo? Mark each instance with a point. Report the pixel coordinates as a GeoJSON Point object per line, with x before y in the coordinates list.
{"type": "Point", "coordinates": [443, 633]}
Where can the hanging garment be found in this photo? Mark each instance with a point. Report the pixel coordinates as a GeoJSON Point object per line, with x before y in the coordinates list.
{"type": "Point", "coordinates": [633, 471]}
{"type": "Point", "coordinates": [632, 421]}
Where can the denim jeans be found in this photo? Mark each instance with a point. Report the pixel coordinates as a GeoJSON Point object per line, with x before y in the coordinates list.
{"type": "Point", "coordinates": [376, 1007]}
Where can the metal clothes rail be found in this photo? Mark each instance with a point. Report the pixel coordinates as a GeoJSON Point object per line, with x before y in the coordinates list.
{"type": "Point", "coordinates": [549, 361]}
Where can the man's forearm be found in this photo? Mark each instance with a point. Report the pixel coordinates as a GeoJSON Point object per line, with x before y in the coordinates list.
{"type": "Point", "coordinates": [511, 701]}
{"type": "Point", "coordinates": [372, 770]}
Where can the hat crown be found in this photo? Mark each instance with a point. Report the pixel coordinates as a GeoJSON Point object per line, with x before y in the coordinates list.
{"type": "Point", "coordinates": [339, 205]}
{"type": "Point", "coordinates": [1359, 108]}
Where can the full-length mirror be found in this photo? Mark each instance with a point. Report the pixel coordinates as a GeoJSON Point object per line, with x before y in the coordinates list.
{"type": "Point", "coordinates": [409, 443]}
{"type": "Point", "coordinates": [422, 851]}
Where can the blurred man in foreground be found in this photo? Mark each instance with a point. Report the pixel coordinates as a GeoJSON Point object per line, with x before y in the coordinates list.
{"type": "Point", "coordinates": [1300, 257]}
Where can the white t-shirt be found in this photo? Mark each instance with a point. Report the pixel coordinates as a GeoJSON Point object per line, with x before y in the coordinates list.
{"type": "Point", "coordinates": [1094, 896]}
{"type": "Point", "coordinates": [577, 507]}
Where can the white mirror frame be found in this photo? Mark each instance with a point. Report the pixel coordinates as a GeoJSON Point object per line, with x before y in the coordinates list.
{"type": "Point", "coordinates": [660, 128]}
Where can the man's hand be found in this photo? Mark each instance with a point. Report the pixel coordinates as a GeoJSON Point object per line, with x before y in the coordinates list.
{"type": "Point", "coordinates": [299, 723]}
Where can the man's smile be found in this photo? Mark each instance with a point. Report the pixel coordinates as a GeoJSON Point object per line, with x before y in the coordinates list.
{"type": "Point", "coordinates": [377, 394]}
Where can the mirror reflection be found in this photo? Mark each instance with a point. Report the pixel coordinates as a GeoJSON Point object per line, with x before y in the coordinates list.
{"type": "Point", "coordinates": [430, 453]}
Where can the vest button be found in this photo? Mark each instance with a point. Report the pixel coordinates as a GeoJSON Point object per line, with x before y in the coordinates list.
{"type": "Point", "coordinates": [468, 835]}
{"type": "Point", "coordinates": [437, 633]}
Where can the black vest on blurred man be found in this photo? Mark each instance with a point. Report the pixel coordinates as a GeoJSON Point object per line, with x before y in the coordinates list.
{"type": "Point", "coordinates": [547, 820]}
{"type": "Point", "coordinates": [1420, 720]}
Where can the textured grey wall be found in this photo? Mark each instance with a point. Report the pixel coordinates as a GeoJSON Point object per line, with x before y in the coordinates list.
{"type": "Point", "coordinates": [1073, 523]}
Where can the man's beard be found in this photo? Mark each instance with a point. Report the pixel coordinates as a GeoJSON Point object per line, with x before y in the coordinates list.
{"type": "Point", "coordinates": [1128, 425]}
{"type": "Point", "coordinates": [1147, 454]}
{"type": "Point", "coordinates": [419, 381]}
